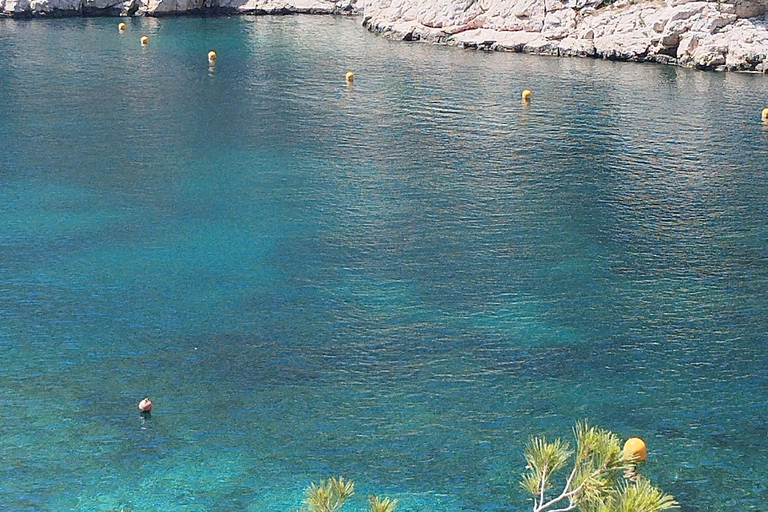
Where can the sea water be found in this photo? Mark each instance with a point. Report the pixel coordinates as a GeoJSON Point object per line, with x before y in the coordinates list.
{"type": "Point", "coordinates": [398, 280]}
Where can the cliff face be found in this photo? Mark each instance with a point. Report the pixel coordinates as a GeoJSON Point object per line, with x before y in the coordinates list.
{"type": "Point", "coordinates": [705, 35]}
{"type": "Point", "coordinates": [702, 34]}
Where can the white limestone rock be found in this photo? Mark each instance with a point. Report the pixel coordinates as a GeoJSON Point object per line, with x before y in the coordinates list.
{"type": "Point", "coordinates": [488, 38]}
{"type": "Point", "coordinates": [709, 55]}
{"type": "Point", "coordinates": [559, 24]}
{"type": "Point", "coordinates": [688, 32]}
{"type": "Point", "coordinates": [272, 6]}
{"type": "Point", "coordinates": [53, 6]}
{"type": "Point", "coordinates": [622, 47]}
{"type": "Point", "coordinates": [159, 7]}
{"type": "Point", "coordinates": [103, 5]}
{"type": "Point", "coordinates": [750, 8]}
{"type": "Point", "coordinates": [582, 4]}
{"type": "Point", "coordinates": [15, 7]}
{"type": "Point", "coordinates": [574, 47]}
{"type": "Point", "coordinates": [747, 46]}
{"type": "Point", "coordinates": [687, 45]}
{"type": "Point", "coordinates": [63, 7]}
{"type": "Point", "coordinates": [169, 6]}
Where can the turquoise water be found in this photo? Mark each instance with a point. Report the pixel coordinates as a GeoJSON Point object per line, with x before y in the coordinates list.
{"type": "Point", "coordinates": [397, 281]}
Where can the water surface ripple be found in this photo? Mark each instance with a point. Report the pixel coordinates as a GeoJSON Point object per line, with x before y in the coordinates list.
{"type": "Point", "coordinates": [399, 281]}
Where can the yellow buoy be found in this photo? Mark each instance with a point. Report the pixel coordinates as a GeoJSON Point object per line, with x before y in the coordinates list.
{"type": "Point", "coordinates": [635, 449]}
{"type": "Point", "coordinates": [212, 57]}
{"type": "Point", "coordinates": [526, 95]}
{"type": "Point", "coordinates": [121, 27]}
{"type": "Point", "coordinates": [350, 77]}
{"type": "Point", "coordinates": [765, 114]}
{"type": "Point", "coordinates": [144, 40]}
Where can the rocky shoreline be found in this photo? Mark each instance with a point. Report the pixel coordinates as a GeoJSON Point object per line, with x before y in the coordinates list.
{"type": "Point", "coordinates": [68, 8]}
{"type": "Point", "coordinates": [708, 35]}
{"type": "Point", "coordinates": [705, 35]}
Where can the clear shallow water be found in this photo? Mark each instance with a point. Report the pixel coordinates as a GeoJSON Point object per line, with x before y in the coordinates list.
{"type": "Point", "coordinates": [398, 281]}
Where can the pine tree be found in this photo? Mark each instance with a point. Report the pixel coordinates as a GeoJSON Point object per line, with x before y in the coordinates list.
{"type": "Point", "coordinates": [602, 479]}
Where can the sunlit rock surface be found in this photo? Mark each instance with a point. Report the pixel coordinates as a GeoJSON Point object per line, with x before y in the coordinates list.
{"type": "Point", "coordinates": [705, 35]}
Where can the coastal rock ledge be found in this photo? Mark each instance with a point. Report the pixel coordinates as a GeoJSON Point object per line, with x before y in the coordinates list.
{"type": "Point", "coordinates": [705, 35]}
{"type": "Point", "coordinates": [719, 35]}
{"type": "Point", "coordinates": [61, 8]}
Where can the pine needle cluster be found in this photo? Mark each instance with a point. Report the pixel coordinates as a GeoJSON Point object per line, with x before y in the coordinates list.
{"type": "Point", "coordinates": [330, 495]}
{"type": "Point", "coordinates": [595, 482]}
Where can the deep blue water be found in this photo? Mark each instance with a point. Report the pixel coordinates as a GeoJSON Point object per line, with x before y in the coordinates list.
{"type": "Point", "coordinates": [398, 281]}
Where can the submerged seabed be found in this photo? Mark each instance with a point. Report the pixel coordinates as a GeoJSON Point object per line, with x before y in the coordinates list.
{"type": "Point", "coordinates": [398, 281]}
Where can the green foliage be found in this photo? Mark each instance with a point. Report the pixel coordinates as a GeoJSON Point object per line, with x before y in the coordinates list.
{"type": "Point", "coordinates": [641, 495]}
{"type": "Point", "coordinates": [381, 505]}
{"type": "Point", "coordinates": [543, 460]}
{"type": "Point", "coordinates": [599, 459]}
{"type": "Point", "coordinates": [595, 482]}
{"type": "Point", "coordinates": [330, 495]}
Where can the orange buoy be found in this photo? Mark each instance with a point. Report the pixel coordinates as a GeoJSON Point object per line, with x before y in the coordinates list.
{"type": "Point", "coordinates": [145, 405]}
{"type": "Point", "coordinates": [144, 40]}
{"type": "Point", "coordinates": [765, 114]}
{"type": "Point", "coordinates": [635, 449]}
{"type": "Point", "coordinates": [350, 77]}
